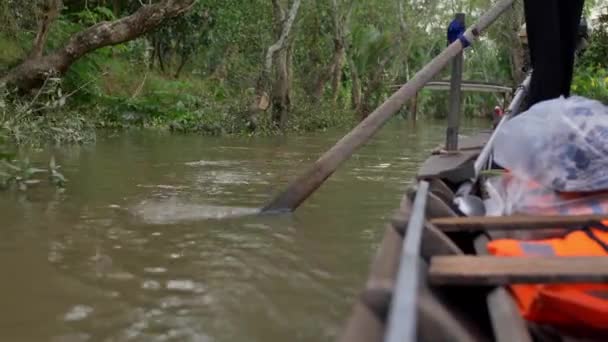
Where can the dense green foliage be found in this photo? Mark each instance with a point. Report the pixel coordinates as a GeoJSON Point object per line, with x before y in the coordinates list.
{"type": "Point", "coordinates": [198, 72]}
{"type": "Point", "coordinates": [591, 78]}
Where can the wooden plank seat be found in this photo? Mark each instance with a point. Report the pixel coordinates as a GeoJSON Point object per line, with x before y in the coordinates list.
{"type": "Point", "coordinates": [455, 224]}
{"type": "Point", "coordinates": [496, 271]}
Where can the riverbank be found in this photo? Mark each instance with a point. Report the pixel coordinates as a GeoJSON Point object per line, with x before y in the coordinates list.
{"type": "Point", "coordinates": [126, 96]}
{"type": "Point", "coordinates": [113, 89]}
{"type": "Point", "coordinates": [109, 89]}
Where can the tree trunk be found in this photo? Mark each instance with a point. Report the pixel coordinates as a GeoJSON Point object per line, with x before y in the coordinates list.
{"type": "Point", "coordinates": [32, 72]}
{"type": "Point", "coordinates": [289, 75]}
{"type": "Point", "coordinates": [280, 90]}
{"type": "Point", "coordinates": [116, 8]}
{"type": "Point", "coordinates": [184, 60]}
{"type": "Point", "coordinates": [160, 53]}
{"type": "Point", "coordinates": [369, 102]}
{"type": "Point", "coordinates": [516, 49]}
{"type": "Point", "coordinates": [319, 86]}
{"type": "Point", "coordinates": [356, 87]}
{"type": "Point", "coordinates": [336, 70]}
{"type": "Point", "coordinates": [517, 63]}
{"type": "Point", "coordinates": [401, 13]}
{"type": "Point", "coordinates": [183, 56]}
{"type": "Point", "coordinates": [341, 25]}
{"type": "Point", "coordinates": [219, 71]}
{"type": "Point", "coordinates": [50, 11]}
{"type": "Point", "coordinates": [154, 52]}
{"type": "Point", "coordinates": [316, 73]}
{"type": "Point", "coordinates": [319, 75]}
{"type": "Point", "coordinates": [285, 23]}
{"type": "Point", "coordinates": [404, 32]}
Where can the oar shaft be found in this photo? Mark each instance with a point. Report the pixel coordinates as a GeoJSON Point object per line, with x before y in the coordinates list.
{"type": "Point", "coordinates": [302, 187]}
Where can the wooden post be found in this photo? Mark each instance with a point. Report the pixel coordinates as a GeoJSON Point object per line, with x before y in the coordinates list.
{"type": "Point", "coordinates": [455, 96]}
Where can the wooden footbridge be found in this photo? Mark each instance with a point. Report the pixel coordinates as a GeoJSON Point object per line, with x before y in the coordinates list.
{"type": "Point", "coordinates": [431, 279]}
{"type": "Point", "coordinates": [467, 86]}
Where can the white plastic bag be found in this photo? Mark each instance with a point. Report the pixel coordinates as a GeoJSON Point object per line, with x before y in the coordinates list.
{"type": "Point", "coordinates": [508, 195]}
{"type": "Point", "coordinates": [561, 144]}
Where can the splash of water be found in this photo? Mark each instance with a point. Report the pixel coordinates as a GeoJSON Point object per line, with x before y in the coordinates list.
{"type": "Point", "coordinates": [173, 210]}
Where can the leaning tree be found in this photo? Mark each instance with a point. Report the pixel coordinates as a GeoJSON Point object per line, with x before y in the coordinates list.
{"type": "Point", "coordinates": [32, 72]}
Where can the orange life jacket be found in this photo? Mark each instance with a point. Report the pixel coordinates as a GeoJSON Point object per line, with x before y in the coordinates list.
{"type": "Point", "coordinates": [568, 306]}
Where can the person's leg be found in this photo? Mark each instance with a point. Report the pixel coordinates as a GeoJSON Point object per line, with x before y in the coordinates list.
{"type": "Point", "coordinates": [570, 17]}
{"type": "Point", "coordinates": [543, 26]}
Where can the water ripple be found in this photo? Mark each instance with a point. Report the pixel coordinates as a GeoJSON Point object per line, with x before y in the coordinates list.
{"type": "Point", "coordinates": [174, 210]}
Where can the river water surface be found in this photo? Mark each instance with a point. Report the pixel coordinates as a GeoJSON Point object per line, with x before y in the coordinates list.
{"type": "Point", "coordinates": [143, 245]}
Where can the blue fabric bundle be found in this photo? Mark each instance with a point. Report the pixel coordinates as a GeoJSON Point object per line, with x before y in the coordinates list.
{"type": "Point", "coordinates": [455, 31]}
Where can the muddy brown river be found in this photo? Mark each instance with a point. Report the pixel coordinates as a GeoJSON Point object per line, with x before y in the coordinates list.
{"type": "Point", "coordinates": [148, 241]}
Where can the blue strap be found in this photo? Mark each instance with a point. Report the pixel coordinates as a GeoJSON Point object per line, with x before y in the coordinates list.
{"type": "Point", "coordinates": [465, 42]}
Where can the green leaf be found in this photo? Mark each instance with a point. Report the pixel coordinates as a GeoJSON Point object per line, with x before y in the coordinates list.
{"type": "Point", "coordinates": [106, 12]}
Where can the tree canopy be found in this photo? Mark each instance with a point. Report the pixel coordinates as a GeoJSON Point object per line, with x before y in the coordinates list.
{"type": "Point", "coordinates": [191, 63]}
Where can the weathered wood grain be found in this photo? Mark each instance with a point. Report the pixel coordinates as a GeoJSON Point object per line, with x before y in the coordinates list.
{"type": "Point", "coordinates": [455, 224]}
{"type": "Point", "coordinates": [489, 270]}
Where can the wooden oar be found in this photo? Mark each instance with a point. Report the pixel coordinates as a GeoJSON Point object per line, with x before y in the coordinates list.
{"type": "Point", "coordinates": [301, 188]}
{"type": "Point", "coordinates": [497, 271]}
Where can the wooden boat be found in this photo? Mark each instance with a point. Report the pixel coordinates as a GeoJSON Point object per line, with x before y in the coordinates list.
{"type": "Point", "coordinates": [431, 279]}
{"type": "Point", "coordinates": [456, 292]}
